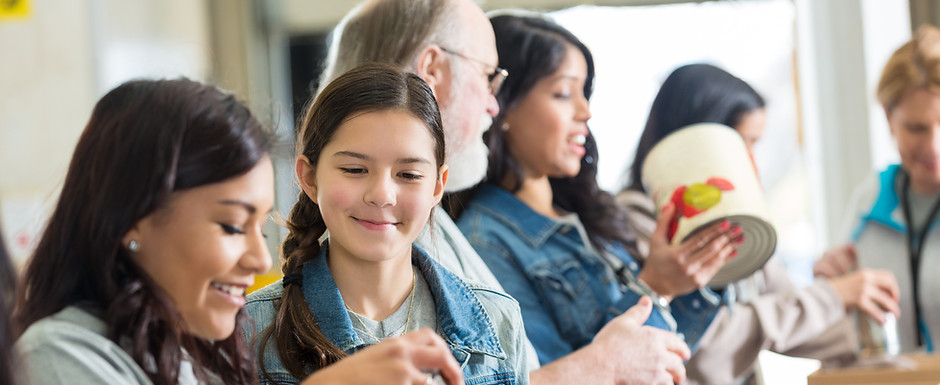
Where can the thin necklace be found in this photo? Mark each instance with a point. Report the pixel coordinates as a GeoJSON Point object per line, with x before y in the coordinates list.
{"type": "Point", "coordinates": [411, 304]}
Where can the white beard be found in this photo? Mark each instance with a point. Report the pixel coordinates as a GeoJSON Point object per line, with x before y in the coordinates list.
{"type": "Point", "coordinates": [468, 163]}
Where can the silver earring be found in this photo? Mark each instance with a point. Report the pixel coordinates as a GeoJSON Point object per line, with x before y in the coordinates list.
{"type": "Point", "coordinates": [504, 126]}
{"type": "Point", "coordinates": [133, 245]}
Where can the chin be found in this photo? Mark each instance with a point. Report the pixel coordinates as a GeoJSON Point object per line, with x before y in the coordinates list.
{"type": "Point", "coordinates": [217, 330]}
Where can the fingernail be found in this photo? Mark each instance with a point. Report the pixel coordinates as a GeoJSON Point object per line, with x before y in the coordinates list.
{"type": "Point", "coordinates": [737, 230]}
{"type": "Point", "coordinates": [725, 225]}
{"type": "Point", "coordinates": [733, 254]}
{"type": "Point", "coordinates": [739, 240]}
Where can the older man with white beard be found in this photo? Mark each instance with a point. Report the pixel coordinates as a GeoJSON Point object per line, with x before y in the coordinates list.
{"type": "Point", "coordinates": [451, 45]}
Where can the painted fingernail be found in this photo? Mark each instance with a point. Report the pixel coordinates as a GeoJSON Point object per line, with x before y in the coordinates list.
{"type": "Point", "coordinates": [725, 225]}
{"type": "Point", "coordinates": [737, 231]}
{"type": "Point", "coordinates": [733, 254]}
{"type": "Point", "coordinates": [739, 240]}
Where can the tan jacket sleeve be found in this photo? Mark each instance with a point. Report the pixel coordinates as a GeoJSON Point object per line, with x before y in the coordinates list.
{"type": "Point", "coordinates": [806, 322]}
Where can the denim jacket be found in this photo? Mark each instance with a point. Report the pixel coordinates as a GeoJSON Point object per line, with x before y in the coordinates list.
{"type": "Point", "coordinates": [482, 326]}
{"type": "Point", "coordinates": [567, 293]}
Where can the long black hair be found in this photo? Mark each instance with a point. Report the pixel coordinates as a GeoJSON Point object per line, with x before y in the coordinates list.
{"type": "Point", "coordinates": [8, 360]}
{"type": "Point", "coordinates": [145, 140]}
{"type": "Point", "coordinates": [694, 93]}
{"type": "Point", "coordinates": [532, 48]}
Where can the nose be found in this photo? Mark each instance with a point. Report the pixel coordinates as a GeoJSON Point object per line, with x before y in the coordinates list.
{"type": "Point", "coordinates": [492, 106]}
{"type": "Point", "coordinates": [935, 140]}
{"type": "Point", "coordinates": [583, 110]}
{"type": "Point", "coordinates": [257, 258]}
{"type": "Point", "coordinates": [381, 192]}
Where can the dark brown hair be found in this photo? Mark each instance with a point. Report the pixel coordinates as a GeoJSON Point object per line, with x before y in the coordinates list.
{"type": "Point", "coordinates": [146, 139]}
{"type": "Point", "coordinates": [7, 288]}
{"type": "Point", "coordinates": [532, 48]}
{"type": "Point", "coordinates": [367, 88]}
{"type": "Point", "coordinates": [693, 93]}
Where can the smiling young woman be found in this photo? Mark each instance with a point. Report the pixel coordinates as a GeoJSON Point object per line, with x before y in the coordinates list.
{"type": "Point", "coordinates": [140, 275]}
{"type": "Point", "coordinates": [371, 165]}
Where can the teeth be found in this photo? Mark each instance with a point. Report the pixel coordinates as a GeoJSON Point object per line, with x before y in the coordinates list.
{"type": "Point", "coordinates": [236, 291]}
{"type": "Point", "coordinates": [579, 139]}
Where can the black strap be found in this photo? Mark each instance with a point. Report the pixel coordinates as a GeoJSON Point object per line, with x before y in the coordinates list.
{"type": "Point", "coordinates": [915, 247]}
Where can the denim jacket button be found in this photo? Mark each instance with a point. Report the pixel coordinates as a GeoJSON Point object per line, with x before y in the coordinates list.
{"type": "Point", "coordinates": [633, 266]}
{"type": "Point", "coordinates": [662, 302]}
{"type": "Point", "coordinates": [696, 303]}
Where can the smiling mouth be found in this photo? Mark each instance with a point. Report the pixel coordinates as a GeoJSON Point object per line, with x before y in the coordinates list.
{"type": "Point", "coordinates": [233, 290]}
{"type": "Point", "coordinates": [578, 139]}
{"type": "Point", "coordinates": [376, 225]}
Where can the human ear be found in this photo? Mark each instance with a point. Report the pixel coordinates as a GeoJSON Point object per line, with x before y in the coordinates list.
{"type": "Point", "coordinates": [132, 235]}
{"type": "Point", "coordinates": [431, 66]}
{"type": "Point", "coordinates": [307, 177]}
{"type": "Point", "coordinates": [441, 182]}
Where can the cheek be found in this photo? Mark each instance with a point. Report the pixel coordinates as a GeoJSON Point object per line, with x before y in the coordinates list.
{"type": "Point", "coordinates": [908, 144]}
{"type": "Point", "coordinates": [417, 202]}
{"type": "Point", "coordinates": [337, 198]}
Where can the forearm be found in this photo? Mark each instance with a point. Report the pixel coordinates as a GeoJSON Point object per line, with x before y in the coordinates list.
{"type": "Point", "coordinates": [780, 322]}
{"type": "Point", "coordinates": [583, 366]}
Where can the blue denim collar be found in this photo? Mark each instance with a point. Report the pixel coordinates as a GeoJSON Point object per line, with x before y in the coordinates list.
{"type": "Point", "coordinates": [463, 322]}
{"type": "Point", "coordinates": [502, 205]}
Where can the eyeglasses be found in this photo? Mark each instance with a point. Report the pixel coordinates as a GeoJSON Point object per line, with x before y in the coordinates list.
{"type": "Point", "coordinates": [494, 78]}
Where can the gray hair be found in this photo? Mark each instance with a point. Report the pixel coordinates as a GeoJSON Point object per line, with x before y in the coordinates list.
{"type": "Point", "coordinates": [393, 32]}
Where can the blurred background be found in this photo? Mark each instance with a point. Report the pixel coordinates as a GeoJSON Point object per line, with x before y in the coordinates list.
{"type": "Point", "coordinates": [816, 62]}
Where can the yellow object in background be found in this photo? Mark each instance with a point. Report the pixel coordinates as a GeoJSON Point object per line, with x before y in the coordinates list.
{"type": "Point", "coordinates": [262, 280]}
{"type": "Point", "coordinates": [15, 9]}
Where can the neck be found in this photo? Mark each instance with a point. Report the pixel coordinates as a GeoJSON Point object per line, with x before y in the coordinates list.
{"type": "Point", "coordinates": [924, 189]}
{"type": "Point", "coordinates": [374, 289]}
{"type": "Point", "coordinates": [537, 194]}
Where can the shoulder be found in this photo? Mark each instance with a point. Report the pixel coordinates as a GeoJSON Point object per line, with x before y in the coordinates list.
{"type": "Point", "coordinates": [498, 305]}
{"type": "Point", "coordinates": [70, 347]}
{"type": "Point", "coordinates": [70, 325]}
{"type": "Point", "coordinates": [259, 306]}
{"type": "Point", "coordinates": [867, 191]}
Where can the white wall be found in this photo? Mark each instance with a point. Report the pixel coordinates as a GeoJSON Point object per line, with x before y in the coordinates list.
{"type": "Point", "coordinates": [55, 64]}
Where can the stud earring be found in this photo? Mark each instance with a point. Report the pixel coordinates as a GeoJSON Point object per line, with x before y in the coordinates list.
{"type": "Point", "coordinates": [133, 245]}
{"type": "Point", "coordinates": [504, 126]}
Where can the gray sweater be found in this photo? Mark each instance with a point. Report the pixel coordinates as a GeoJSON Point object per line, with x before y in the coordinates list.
{"type": "Point", "coordinates": [70, 347]}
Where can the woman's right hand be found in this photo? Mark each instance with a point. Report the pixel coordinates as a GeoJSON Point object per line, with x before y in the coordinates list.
{"type": "Point", "coordinates": [403, 360]}
{"type": "Point", "coordinates": [874, 292]}
{"type": "Point", "coordinates": [676, 270]}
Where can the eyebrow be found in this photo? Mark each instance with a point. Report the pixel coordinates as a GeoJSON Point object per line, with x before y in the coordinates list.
{"type": "Point", "coordinates": [565, 77]}
{"type": "Point", "coordinates": [247, 206]}
{"type": "Point", "coordinates": [357, 155]}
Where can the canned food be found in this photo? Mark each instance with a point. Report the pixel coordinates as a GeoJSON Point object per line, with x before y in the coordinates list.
{"type": "Point", "coordinates": [878, 339]}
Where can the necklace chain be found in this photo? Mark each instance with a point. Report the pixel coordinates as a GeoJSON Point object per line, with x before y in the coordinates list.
{"type": "Point", "coordinates": [411, 304]}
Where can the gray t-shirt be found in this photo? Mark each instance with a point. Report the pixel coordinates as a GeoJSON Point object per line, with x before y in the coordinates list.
{"type": "Point", "coordinates": [423, 315]}
{"type": "Point", "coordinates": [70, 347]}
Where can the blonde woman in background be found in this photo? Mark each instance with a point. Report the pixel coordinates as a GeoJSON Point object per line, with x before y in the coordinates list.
{"type": "Point", "coordinates": [893, 214]}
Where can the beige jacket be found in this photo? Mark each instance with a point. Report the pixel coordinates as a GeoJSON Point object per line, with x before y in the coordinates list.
{"type": "Point", "coordinates": [770, 313]}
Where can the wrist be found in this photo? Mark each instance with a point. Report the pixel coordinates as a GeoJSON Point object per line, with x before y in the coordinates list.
{"type": "Point", "coordinates": [659, 300]}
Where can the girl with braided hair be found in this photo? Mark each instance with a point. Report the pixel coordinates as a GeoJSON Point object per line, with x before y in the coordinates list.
{"type": "Point", "coordinates": [371, 168]}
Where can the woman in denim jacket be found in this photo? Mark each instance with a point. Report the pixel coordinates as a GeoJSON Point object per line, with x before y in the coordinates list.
{"type": "Point", "coordinates": [557, 243]}
{"type": "Point", "coordinates": [370, 165]}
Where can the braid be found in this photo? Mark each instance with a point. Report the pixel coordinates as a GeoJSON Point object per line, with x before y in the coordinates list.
{"type": "Point", "coordinates": [298, 340]}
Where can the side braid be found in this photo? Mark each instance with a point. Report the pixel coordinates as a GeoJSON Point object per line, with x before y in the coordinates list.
{"type": "Point", "coordinates": [300, 345]}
